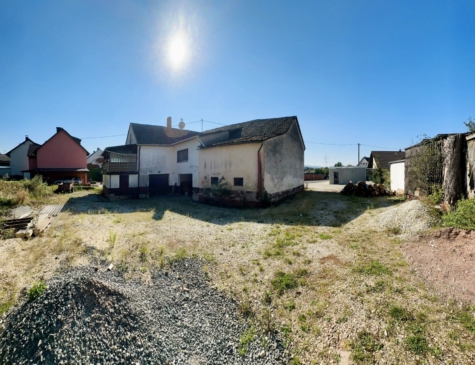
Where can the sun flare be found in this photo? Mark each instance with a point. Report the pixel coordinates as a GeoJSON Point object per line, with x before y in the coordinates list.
{"type": "Point", "coordinates": [178, 52]}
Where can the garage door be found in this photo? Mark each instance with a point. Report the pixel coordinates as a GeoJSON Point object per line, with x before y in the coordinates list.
{"type": "Point", "coordinates": [158, 184]}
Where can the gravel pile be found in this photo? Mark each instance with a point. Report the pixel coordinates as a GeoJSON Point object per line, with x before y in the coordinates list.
{"type": "Point", "coordinates": [407, 220]}
{"type": "Point", "coordinates": [87, 316]}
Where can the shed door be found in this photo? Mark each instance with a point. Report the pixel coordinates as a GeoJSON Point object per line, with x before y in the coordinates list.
{"type": "Point", "coordinates": [158, 184]}
{"type": "Point", "coordinates": [336, 176]}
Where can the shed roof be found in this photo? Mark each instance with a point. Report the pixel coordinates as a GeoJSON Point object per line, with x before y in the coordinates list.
{"type": "Point", "coordinates": [4, 160]}
{"type": "Point", "coordinates": [384, 157]}
{"type": "Point", "coordinates": [257, 130]}
{"type": "Point", "coordinates": [32, 149]}
{"type": "Point", "coordinates": [156, 134]}
{"type": "Point", "coordinates": [127, 149]}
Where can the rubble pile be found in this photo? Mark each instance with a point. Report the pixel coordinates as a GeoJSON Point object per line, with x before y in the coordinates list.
{"type": "Point", "coordinates": [91, 316]}
{"type": "Point", "coordinates": [366, 189]}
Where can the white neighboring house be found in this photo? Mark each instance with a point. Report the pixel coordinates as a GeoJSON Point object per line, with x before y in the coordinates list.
{"type": "Point", "coordinates": [95, 158]}
{"type": "Point", "coordinates": [397, 174]}
{"type": "Point", "coordinates": [245, 164]}
{"type": "Point", "coordinates": [364, 162]}
{"type": "Point", "coordinates": [19, 157]}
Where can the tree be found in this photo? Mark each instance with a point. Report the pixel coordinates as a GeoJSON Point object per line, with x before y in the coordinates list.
{"type": "Point", "coordinates": [338, 164]}
{"type": "Point", "coordinates": [470, 124]}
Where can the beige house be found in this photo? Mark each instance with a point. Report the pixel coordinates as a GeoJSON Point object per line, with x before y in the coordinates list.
{"type": "Point", "coordinates": [246, 164]}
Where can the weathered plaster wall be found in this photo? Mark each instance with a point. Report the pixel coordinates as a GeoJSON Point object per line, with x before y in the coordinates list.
{"type": "Point", "coordinates": [189, 167]}
{"type": "Point", "coordinates": [230, 162]}
{"type": "Point", "coordinates": [61, 151]}
{"type": "Point", "coordinates": [19, 159]}
{"type": "Point", "coordinates": [397, 177]}
{"type": "Point", "coordinates": [283, 167]}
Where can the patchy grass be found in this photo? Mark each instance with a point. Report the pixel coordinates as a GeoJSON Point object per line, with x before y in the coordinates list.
{"type": "Point", "coordinates": [36, 290]}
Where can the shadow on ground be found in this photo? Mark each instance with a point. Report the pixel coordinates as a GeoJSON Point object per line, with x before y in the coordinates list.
{"type": "Point", "coordinates": [309, 208]}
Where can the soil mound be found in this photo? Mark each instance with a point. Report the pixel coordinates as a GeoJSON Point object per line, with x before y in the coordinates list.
{"type": "Point", "coordinates": [98, 317]}
{"type": "Point", "coordinates": [445, 260]}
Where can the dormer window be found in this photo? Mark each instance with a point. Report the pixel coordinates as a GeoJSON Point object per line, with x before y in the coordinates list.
{"type": "Point", "coordinates": [235, 133]}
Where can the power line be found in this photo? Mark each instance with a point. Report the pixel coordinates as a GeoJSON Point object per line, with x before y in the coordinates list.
{"type": "Point", "coordinates": [116, 135]}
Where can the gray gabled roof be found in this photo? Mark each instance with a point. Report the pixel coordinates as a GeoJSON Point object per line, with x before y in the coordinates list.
{"type": "Point", "coordinates": [4, 160]}
{"type": "Point", "coordinates": [155, 134]}
{"type": "Point", "coordinates": [254, 131]}
{"type": "Point", "coordinates": [383, 158]}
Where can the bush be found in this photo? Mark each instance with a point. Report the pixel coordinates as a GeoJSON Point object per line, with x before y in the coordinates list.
{"type": "Point", "coordinates": [463, 216]}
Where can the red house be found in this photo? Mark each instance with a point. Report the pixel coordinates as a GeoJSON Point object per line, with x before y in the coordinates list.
{"type": "Point", "coordinates": [60, 157]}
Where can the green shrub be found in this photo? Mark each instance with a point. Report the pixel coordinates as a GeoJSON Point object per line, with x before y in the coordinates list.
{"type": "Point", "coordinates": [36, 290]}
{"type": "Point", "coordinates": [463, 216]}
{"type": "Point", "coordinates": [283, 282]}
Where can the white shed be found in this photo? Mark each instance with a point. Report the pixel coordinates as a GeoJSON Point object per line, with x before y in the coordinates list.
{"type": "Point", "coordinates": [396, 169]}
{"type": "Point", "coordinates": [343, 175]}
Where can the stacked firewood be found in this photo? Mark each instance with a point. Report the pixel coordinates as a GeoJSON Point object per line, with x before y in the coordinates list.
{"type": "Point", "coordinates": [362, 188]}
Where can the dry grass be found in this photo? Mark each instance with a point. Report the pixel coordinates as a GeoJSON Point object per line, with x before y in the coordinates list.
{"type": "Point", "coordinates": [309, 268]}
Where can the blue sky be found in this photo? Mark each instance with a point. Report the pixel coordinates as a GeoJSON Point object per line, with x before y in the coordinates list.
{"type": "Point", "coordinates": [379, 73]}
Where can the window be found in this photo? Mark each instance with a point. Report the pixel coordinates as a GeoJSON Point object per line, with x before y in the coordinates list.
{"type": "Point", "coordinates": [214, 181]}
{"type": "Point", "coordinates": [182, 156]}
{"type": "Point", "coordinates": [236, 133]}
{"type": "Point", "coordinates": [238, 181]}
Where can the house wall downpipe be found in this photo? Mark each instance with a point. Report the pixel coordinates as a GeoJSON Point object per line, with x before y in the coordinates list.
{"type": "Point", "coordinates": [259, 174]}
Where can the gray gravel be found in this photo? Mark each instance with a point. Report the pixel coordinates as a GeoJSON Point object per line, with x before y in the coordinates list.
{"type": "Point", "coordinates": [87, 316]}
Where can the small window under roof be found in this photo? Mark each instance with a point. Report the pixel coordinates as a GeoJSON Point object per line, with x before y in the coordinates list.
{"type": "Point", "coordinates": [235, 133]}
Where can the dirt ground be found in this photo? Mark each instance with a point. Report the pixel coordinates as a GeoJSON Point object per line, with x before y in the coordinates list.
{"type": "Point", "coordinates": [445, 260]}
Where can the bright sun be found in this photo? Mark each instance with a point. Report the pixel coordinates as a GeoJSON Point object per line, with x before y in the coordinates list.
{"type": "Point", "coordinates": [177, 52]}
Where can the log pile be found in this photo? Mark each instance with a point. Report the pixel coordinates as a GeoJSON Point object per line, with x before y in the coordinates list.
{"type": "Point", "coordinates": [362, 188]}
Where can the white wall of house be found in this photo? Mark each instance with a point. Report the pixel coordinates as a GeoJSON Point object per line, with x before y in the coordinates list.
{"type": "Point", "coordinates": [189, 167]}
{"type": "Point", "coordinates": [283, 167]}
{"type": "Point", "coordinates": [106, 180]}
{"type": "Point", "coordinates": [347, 174]}
{"type": "Point", "coordinates": [229, 162]}
{"type": "Point", "coordinates": [133, 181]}
{"type": "Point", "coordinates": [163, 160]}
{"type": "Point", "coordinates": [19, 159]}
{"type": "Point", "coordinates": [397, 176]}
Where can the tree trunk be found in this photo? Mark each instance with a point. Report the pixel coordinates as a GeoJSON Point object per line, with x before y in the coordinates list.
{"type": "Point", "coordinates": [453, 152]}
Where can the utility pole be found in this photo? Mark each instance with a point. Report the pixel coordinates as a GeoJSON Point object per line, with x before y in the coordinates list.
{"type": "Point", "coordinates": [358, 155]}
{"type": "Point", "coordinates": [326, 159]}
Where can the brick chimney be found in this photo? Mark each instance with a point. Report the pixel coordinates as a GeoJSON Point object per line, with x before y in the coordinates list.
{"type": "Point", "coordinates": [169, 124]}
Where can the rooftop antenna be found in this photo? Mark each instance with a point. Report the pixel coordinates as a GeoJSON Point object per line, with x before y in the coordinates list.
{"type": "Point", "coordinates": [181, 125]}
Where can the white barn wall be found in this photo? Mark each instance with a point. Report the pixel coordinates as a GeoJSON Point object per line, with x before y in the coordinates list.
{"type": "Point", "coordinates": [189, 167]}
{"type": "Point", "coordinates": [397, 176]}
{"type": "Point", "coordinates": [230, 162]}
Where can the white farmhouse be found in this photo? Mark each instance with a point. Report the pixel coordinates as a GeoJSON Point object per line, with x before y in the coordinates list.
{"type": "Point", "coordinates": [246, 164]}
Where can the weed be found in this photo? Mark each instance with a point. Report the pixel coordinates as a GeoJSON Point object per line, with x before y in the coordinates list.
{"type": "Point", "coordinates": [324, 236]}
{"type": "Point", "coordinates": [302, 318]}
{"type": "Point", "coordinates": [417, 344]}
{"type": "Point", "coordinates": [112, 238]}
{"type": "Point", "coordinates": [400, 314]}
{"type": "Point", "coordinates": [283, 282]}
{"type": "Point", "coordinates": [36, 290]}
{"type": "Point", "coordinates": [290, 305]}
{"type": "Point", "coordinates": [393, 230]}
{"type": "Point", "coordinates": [143, 270]}
{"type": "Point", "coordinates": [245, 308]}
{"type": "Point", "coordinates": [267, 298]}
{"type": "Point", "coordinates": [467, 319]}
{"type": "Point", "coordinates": [374, 268]}
{"type": "Point", "coordinates": [364, 346]}
{"type": "Point", "coordinates": [143, 254]}
{"type": "Point", "coordinates": [180, 254]}
{"type": "Point", "coordinates": [246, 338]}
{"type": "Point", "coordinates": [295, 361]}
